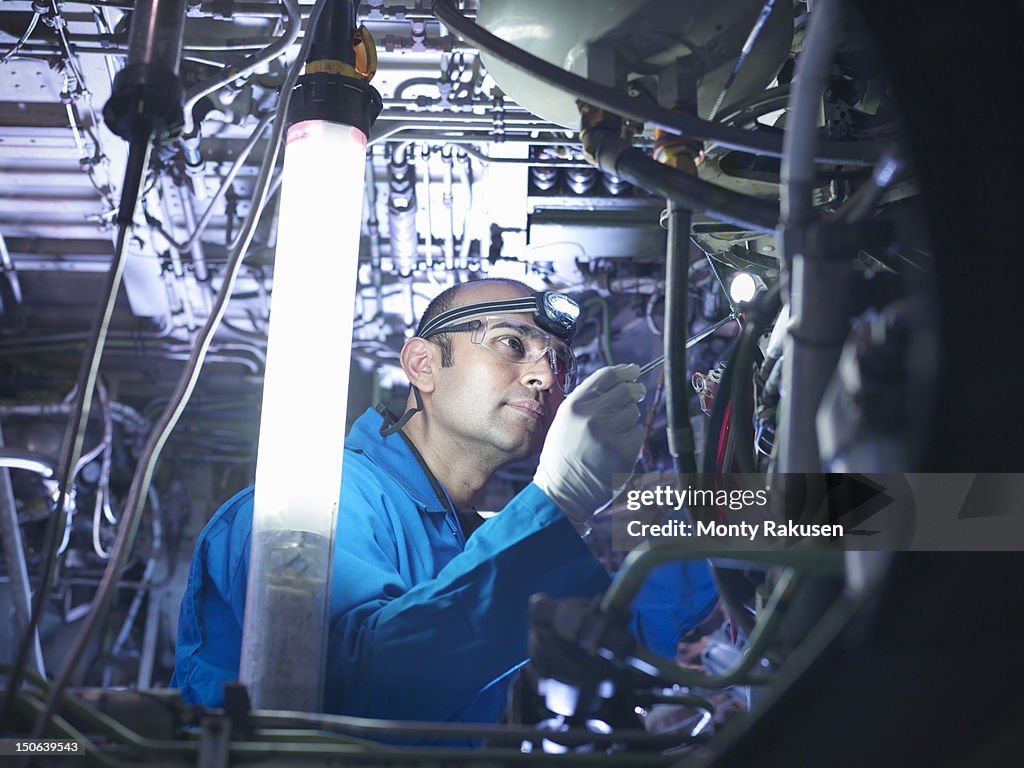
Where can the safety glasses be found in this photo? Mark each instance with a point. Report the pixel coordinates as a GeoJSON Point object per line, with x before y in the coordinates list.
{"type": "Point", "coordinates": [523, 344]}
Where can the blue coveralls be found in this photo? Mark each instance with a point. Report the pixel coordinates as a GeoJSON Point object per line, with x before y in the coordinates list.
{"type": "Point", "coordinates": [423, 624]}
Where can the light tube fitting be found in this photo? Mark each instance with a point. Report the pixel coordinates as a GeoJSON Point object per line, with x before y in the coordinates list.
{"type": "Point", "coordinates": [305, 389]}
{"type": "Point", "coordinates": [302, 425]}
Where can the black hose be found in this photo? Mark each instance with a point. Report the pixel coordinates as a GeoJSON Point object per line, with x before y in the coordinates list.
{"type": "Point", "coordinates": [657, 116]}
{"type": "Point", "coordinates": [332, 38]}
{"type": "Point", "coordinates": [677, 386]}
{"type": "Point", "coordinates": [762, 312]}
{"type": "Point", "coordinates": [608, 151]}
{"type": "Point", "coordinates": [690, 192]}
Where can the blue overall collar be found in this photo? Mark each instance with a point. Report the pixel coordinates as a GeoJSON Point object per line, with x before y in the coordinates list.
{"type": "Point", "coordinates": [398, 457]}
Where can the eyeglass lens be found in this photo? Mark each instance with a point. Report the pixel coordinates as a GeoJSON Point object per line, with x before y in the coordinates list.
{"type": "Point", "coordinates": [520, 343]}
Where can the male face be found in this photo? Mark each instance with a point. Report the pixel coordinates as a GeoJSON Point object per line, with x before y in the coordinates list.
{"type": "Point", "coordinates": [485, 401]}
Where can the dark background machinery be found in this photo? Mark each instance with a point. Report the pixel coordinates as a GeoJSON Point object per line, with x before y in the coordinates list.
{"type": "Point", "coordinates": [465, 180]}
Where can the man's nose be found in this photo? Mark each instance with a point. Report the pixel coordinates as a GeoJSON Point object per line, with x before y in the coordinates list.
{"type": "Point", "coordinates": [538, 375]}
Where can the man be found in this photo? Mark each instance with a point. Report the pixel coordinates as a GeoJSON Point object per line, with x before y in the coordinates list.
{"type": "Point", "coordinates": [427, 622]}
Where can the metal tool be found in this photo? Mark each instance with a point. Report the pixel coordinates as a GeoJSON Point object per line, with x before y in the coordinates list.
{"type": "Point", "coordinates": [660, 359]}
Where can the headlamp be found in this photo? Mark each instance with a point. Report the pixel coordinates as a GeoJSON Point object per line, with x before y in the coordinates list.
{"type": "Point", "coordinates": [554, 312]}
{"type": "Point", "coordinates": [558, 310]}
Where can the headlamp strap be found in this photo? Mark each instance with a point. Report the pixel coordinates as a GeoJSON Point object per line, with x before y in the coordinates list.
{"type": "Point", "coordinates": [481, 309]}
{"type": "Point", "coordinates": [387, 429]}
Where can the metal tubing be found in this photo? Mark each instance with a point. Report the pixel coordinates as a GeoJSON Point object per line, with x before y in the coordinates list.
{"type": "Point", "coordinates": [248, 65]}
{"type": "Point", "coordinates": [429, 253]}
{"type": "Point", "coordinates": [14, 556]}
{"type": "Point", "coordinates": [447, 199]}
{"type": "Point", "coordinates": [402, 207]}
{"type": "Point", "coordinates": [175, 277]}
{"type": "Point", "coordinates": [615, 156]}
{"type": "Point", "coordinates": [467, 177]}
{"type": "Point", "coordinates": [236, 166]}
{"type": "Point", "coordinates": [819, 303]}
{"type": "Point", "coordinates": [150, 635]}
{"type": "Point", "coordinates": [9, 272]}
{"type": "Point", "coordinates": [618, 103]}
{"type": "Point", "coordinates": [532, 162]}
{"type": "Point", "coordinates": [817, 288]}
{"type": "Point", "coordinates": [199, 269]}
{"type": "Point", "coordinates": [677, 389]}
{"type": "Point", "coordinates": [373, 228]}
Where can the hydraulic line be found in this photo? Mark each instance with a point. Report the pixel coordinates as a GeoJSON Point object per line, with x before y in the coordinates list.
{"type": "Point", "coordinates": [402, 208]}
{"type": "Point", "coordinates": [14, 557]}
{"type": "Point", "coordinates": [429, 235]}
{"type": "Point", "coordinates": [718, 425]}
{"type": "Point", "coordinates": [373, 228]}
{"type": "Point", "coordinates": [211, 208]}
{"type": "Point", "coordinates": [615, 156]}
{"type": "Point", "coordinates": [761, 314]}
{"type": "Point", "coordinates": [677, 394]}
{"type": "Point", "coordinates": [467, 178]}
{"type": "Point", "coordinates": [199, 268]}
{"type": "Point", "coordinates": [447, 200]}
{"type": "Point", "coordinates": [141, 480]}
{"type": "Point", "coordinates": [71, 60]}
{"type": "Point", "coordinates": [102, 504]}
{"type": "Point", "coordinates": [530, 161]}
{"type": "Point", "coordinates": [657, 116]}
{"type": "Point", "coordinates": [23, 39]}
{"type": "Point", "coordinates": [817, 290]}
{"type": "Point", "coordinates": [762, 103]}
{"type": "Point", "coordinates": [677, 156]}
{"type": "Point", "coordinates": [247, 65]}
{"type": "Point", "coordinates": [696, 195]}
{"type": "Point", "coordinates": [146, 582]}
{"type": "Point", "coordinates": [10, 288]}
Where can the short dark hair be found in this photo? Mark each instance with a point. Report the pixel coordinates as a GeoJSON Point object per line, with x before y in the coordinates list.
{"type": "Point", "coordinates": [444, 301]}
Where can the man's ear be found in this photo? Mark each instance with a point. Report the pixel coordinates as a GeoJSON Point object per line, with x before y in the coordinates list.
{"type": "Point", "coordinates": [420, 360]}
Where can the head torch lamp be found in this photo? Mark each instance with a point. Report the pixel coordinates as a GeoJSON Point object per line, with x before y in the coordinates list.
{"type": "Point", "coordinates": [553, 312]}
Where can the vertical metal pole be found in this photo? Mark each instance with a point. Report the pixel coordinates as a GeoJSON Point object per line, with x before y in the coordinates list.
{"type": "Point", "coordinates": [677, 387]}
{"type": "Point", "coordinates": [14, 556]}
{"type": "Point", "coordinates": [816, 286]}
{"type": "Point", "coordinates": [149, 638]}
{"type": "Point", "coordinates": [677, 88]}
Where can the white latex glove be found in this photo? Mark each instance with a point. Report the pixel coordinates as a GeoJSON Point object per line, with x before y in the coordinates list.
{"type": "Point", "coordinates": [595, 434]}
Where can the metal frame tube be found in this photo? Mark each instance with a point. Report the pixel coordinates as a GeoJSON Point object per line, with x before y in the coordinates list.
{"type": "Point", "coordinates": [817, 287]}
{"type": "Point", "coordinates": [14, 556]}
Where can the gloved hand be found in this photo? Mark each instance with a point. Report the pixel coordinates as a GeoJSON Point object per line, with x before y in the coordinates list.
{"type": "Point", "coordinates": [595, 434]}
